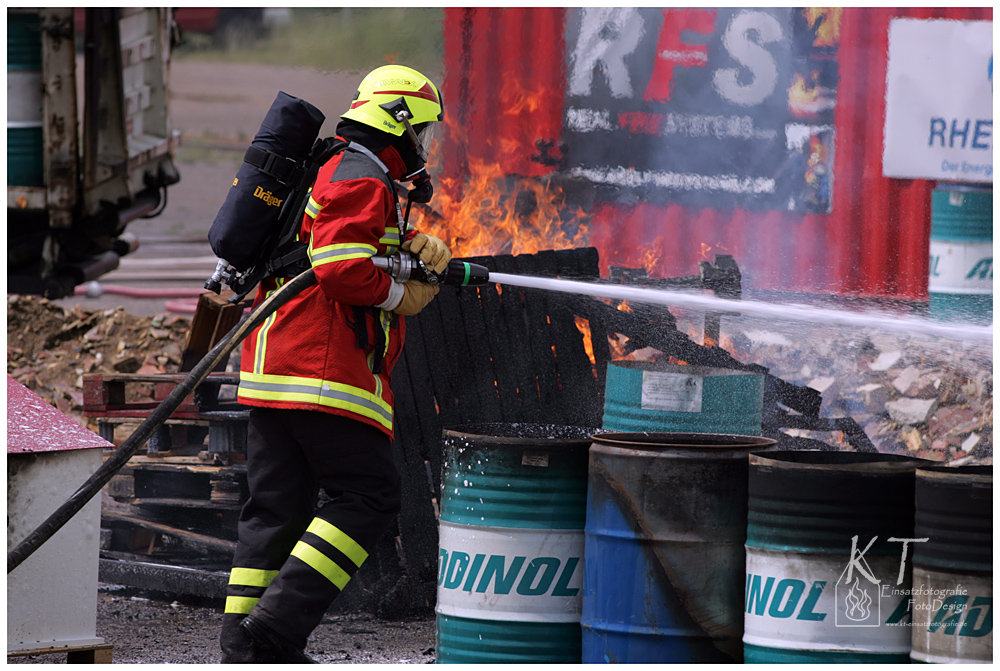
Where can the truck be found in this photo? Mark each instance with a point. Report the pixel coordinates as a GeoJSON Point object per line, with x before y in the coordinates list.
{"type": "Point", "coordinates": [90, 146]}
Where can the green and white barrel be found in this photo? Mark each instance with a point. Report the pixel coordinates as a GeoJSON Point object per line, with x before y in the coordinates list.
{"type": "Point", "coordinates": [960, 281]}
{"type": "Point", "coordinates": [953, 566]}
{"type": "Point", "coordinates": [24, 98]}
{"type": "Point", "coordinates": [647, 396]}
{"type": "Point", "coordinates": [826, 576]}
{"type": "Point", "coordinates": [513, 508]}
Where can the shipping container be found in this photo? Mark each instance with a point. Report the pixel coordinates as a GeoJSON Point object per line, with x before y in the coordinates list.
{"type": "Point", "coordinates": [684, 133]}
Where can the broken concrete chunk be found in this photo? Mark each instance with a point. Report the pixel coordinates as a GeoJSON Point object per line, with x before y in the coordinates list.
{"type": "Point", "coordinates": [970, 443]}
{"type": "Point", "coordinates": [821, 384]}
{"type": "Point", "coordinates": [767, 338]}
{"type": "Point", "coordinates": [886, 360]}
{"type": "Point", "coordinates": [911, 410]}
{"type": "Point", "coordinates": [914, 441]}
{"type": "Point", "coordinates": [906, 379]}
{"type": "Point", "coordinates": [874, 396]}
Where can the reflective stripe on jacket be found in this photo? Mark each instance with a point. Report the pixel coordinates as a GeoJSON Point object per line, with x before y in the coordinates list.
{"type": "Point", "coordinates": [306, 355]}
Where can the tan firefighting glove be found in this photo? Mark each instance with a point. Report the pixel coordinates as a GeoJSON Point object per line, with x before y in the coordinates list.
{"type": "Point", "coordinates": [416, 296]}
{"type": "Point", "coordinates": [433, 252]}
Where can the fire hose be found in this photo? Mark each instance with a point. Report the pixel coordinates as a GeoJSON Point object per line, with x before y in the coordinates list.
{"type": "Point", "coordinates": [401, 267]}
{"type": "Point", "coordinates": [121, 456]}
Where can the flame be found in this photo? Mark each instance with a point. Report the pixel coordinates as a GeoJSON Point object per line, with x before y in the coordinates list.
{"type": "Point", "coordinates": [492, 213]}
{"type": "Point", "coordinates": [828, 34]}
{"type": "Point", "coordinates": [625, 307]}
{"type": "Point", "coordinates": [583, 326]}
{"type": "Point", "coordinates": [486, 212]}
{"type": "Point", "coordinates": [857, 606]}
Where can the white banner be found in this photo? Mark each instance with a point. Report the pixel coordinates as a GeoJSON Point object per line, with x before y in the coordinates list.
{"type": "Point", "coordinates": [939, 101]}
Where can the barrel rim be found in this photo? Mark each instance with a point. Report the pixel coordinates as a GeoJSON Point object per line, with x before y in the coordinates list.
{"type": "Point", "coordinates": [823, 460]}
{"type": "Point", "coordinates": [479, 433]}
{"type": "Point", "coordinates": [646, 440]}
{"type": "Point", "coordinates": [662, 367]}
{"type": "Point", "coordinates": [957, 474]}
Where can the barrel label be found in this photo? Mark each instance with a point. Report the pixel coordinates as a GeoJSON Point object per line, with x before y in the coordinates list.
{"type": "Point", "coordinates": [529, 575]}
{"type": "Point", "coordinates": [961, 268]}
{"type": "Point", "coordinates": [823, 602]}
{"type": "Point", "coordinates": [952, 617]}
{"type": "Point", "coordinates": [671, 392]}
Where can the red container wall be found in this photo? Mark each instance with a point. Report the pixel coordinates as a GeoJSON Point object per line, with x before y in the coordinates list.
{"type": "Point", "coordinates": [503, 87]}
{"type": "Point", "coordinates": [874, 243]}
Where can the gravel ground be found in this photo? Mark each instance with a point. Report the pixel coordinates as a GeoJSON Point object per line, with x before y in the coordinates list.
{"type": "Point", "coordinates": [148, 631]}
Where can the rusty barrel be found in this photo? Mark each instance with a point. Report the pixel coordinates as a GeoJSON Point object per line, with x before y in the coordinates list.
{"type": "Point", "coordinates": [953, 567]}
{"type": "Point", "coordinates": [511, 544]}
{"type": "Point", "coordinates": [648, 396]}
{"type": "Point", "coordinates": [827, 580]}
{"type": "Point", "coordinates": [664, 556]}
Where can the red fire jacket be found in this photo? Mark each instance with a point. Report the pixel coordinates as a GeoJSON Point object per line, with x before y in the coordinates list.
{"type": "Point", "coordinates": [306, 355]}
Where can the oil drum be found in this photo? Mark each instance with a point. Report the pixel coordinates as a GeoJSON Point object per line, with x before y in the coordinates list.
{"type": "Point", "coordinates": [511, 544]}
{"type": "Point", "coordinates": [664, 557]}
{"type": "Point", "coordinates": [648, 396]}
{"type": "Point", "coordinates": [826, 533]}
{"type": "Point", "coordinates": [953, 566]}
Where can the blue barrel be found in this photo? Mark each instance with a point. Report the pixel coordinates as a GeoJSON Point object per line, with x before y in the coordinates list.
{"type": "Point", "coordinates": [647, 396]}
{"type": "Point", "coordinates": [960, 281]}
{"type": "Point", "coordinates": [513, 506]}
{"type": "Point", "coordinates": [664, 557]}
{"type": "Point", "coordinates": [822, 528]}
{"type": "Point", "coordinates": [953, 567]}
{"type": "Point", "coordinates": [24, 99]}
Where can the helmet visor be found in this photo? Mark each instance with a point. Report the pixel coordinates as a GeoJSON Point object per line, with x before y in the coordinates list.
{"type": "Point", "coordinates": [427, 134]}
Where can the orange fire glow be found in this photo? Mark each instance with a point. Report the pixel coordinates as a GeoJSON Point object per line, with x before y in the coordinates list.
{"type": "Point", "coordinates": [828, 34]}
{"type": "Point", "coordinates": [492, 213]}
{"type": "Point", "coordinates": [583, 326]}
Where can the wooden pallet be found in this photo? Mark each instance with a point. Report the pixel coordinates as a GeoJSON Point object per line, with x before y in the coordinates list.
{"type": "Point", "coordinates": [82, 654]}
{"type": "Point", "coordinates": [105, 401]}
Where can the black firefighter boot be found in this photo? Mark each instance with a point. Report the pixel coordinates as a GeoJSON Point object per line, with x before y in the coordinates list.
{"type": "Point", "coordinates": [238, 647]}
{"type": "Point", "coordinates": [272, 643]}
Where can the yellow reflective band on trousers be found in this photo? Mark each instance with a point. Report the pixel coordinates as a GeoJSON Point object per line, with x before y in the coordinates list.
{"type": "Point", "coordinates": [321, 563]}
{"type": "Point", "coordinates": [247, 577]}
{"type": "Point", "coordinates": [319, 392]}
{"type": "Point", "coordinates": [240, 605]}
{"type": "Point", "coordinates": [339, 540]}
{"type": "Point", "coordinates": [251, 577]}
{"type": "Point", "coordinates": [344, 251]}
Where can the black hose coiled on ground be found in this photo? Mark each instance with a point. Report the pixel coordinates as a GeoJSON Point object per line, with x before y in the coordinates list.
{"type": "Point", "coordinates": [121, 456]}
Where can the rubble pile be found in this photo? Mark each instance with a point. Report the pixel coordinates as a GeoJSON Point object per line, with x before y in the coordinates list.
{"type": "Point", "coordinates": [917, 396]}
{"type": "Point", "coordinates": [50, 348]}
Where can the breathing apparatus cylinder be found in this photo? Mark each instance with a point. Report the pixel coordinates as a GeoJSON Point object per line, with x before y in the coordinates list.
{"type": "Point", "coordinates": [248, 221]}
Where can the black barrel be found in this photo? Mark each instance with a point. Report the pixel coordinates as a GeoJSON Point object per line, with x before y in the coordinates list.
{"type": "Point", "coordinates": [953, 565]}
{"type": "Point", "coordinates": [823, 581]}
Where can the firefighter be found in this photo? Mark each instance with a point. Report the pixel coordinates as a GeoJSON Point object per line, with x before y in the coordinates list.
{"type": "Point", "coordinates": [317, 375]}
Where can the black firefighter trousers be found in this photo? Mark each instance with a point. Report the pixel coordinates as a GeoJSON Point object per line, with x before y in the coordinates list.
{"type": "Point", "coordinates": [292, 558]}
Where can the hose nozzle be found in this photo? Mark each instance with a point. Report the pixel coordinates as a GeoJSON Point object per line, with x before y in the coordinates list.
{"type": "Point", "coordinates": [404, 267]}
